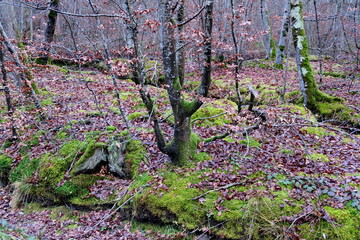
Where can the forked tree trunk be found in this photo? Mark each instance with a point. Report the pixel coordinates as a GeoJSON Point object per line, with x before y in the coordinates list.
{"type": "Point", "coordinates": [310, 92]}
{"type": "Point", "coordinates": [180, 147]}
{"type": "Point", "coordinates": [280, 53]}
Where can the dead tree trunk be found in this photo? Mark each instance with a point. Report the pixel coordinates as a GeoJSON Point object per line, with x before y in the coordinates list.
{"type": "Point", "coordinates": [10, 110]}
{"type": "Point", "coordinates": [26, 88]}
{"type": "Point", "coordinates": [283, 36]}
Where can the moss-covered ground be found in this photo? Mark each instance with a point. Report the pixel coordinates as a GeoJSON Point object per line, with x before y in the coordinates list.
{"type": "Point", "coordinates": [295, 177]}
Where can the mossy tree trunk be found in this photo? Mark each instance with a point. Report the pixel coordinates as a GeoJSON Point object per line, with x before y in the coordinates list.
{"type": "Point", "coordinates": [179, 148]}
{"type": "Point", "coordinates": [50, 30]}
{"type": "Point", "coordinates": [312, 96]}
{"type": "Point", "coordinates": [283, 35]}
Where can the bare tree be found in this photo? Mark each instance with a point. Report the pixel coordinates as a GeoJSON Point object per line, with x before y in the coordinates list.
{"type": "Point", "coordinates": [283, 36]}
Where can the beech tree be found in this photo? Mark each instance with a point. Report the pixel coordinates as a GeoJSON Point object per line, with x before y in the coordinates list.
{"type": "Point", "coordinates": [183, 141]}
{"type": "Point", "coordinates": [312, 96]}
{"type": "Point", "coordinates": [283, 36]}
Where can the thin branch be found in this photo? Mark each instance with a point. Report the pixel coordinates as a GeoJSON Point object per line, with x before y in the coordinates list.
{"type": "Point", "coordinates": [191, 18]}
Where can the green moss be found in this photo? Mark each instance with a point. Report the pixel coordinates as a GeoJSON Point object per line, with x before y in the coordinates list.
{"type": "Point", "coordinates": [213, 109]}
{"type": "Point", "coordinates": [335, 74]}
{"type": "Point", "coordinates": [317, 131]}
{"type": "Point", "coordinates": [340, 112]}
{"type": "Point", "coordinates": [293, 96]}
{"type": "Point", "coordinates": [287, 151]}
{"type": "Point", "coordinates": [78, 186]}
{"type": "Point", "coordinates": [300, 110]}
{"type": "Point", "coordinates": [135, 154]}
{"type": "Point", "coordinates": [136, 115]}
{"type": "Point", "coordinates": [111, 128]}
{"type": "Point", "coordinates": [53, 167]}
{"type": "Point", "coordinates": [24, 169]}
{"type": "Point", "coordinates": [251, 142]}
{"type": "Point", "coordinates": [201, 157]}
{"type": "Point", "coordinates": [318, 157]}
{"type": "Point", "coordinates": [62, 135]}
{"type": "Point", "coordinates": [345, 226]}
{"type": "Point", "coordinates": [5, 167]}
{"type": "Point", "coordinates": [175, 205]}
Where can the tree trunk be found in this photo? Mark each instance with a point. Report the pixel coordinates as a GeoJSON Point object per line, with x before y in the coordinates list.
{"type": "Point", "coordinates": [181, 50]}
{"type": "Point", "coordinates": [206, 70]}
{"type": "Point", "coordinates": [6, 89]}
{"type": "Point", "coordinates": [50, 30]}
{"type": "Point", "coordinates": [310, 92]}
{"type": "Point", "coordinates": [237, 62]}
{"type": "Point", "coordinates": [283, 35]}
{"type": "Point", "coordinates": [266, 27]}
{"type": "Point", "coordinates": [180, 148]}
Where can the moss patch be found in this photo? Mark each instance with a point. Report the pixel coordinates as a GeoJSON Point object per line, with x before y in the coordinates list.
{"type": "Point", "coordinates": [317, 131]}
{"type": "Point", "coordinates": [220, 108]}
{"type": "Point", "coordinates": [318, 157]}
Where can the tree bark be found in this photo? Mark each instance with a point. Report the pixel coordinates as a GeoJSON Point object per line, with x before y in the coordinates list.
{"type": "Point", "coordinates": [310, 92]}
{"type": "Point", "coordinates": [280, 53]}
{"type": "Point", "coordinates": [181, 50]}
{"type": "Point", "coordinates": [206, 69]}
{"type": "Point", "coordinates": [50, 30]}
{"type": "Point", "coordinates": [237, 62]}
{"type": "Point", "coordinates": [6, 89]}
{"type": "Point", "coordinates": [181, 146]}
{"type": "Point", "coordinates": [266, 27]}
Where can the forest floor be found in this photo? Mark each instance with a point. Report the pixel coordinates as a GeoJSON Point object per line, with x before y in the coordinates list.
{"type": "Point", "coordinates": [291, 147]}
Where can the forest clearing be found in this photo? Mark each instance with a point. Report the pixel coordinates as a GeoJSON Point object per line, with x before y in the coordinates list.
{"type": "Point", "coordinates": [146, 141]}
